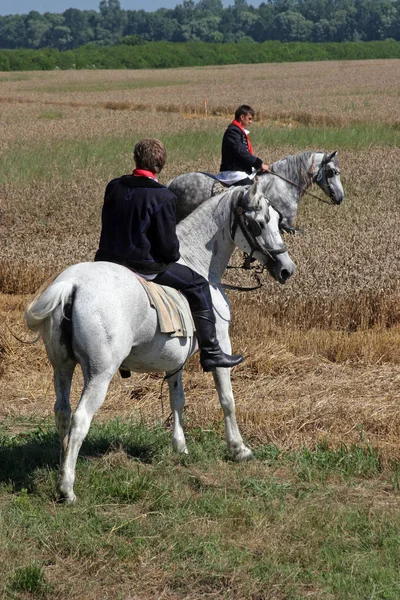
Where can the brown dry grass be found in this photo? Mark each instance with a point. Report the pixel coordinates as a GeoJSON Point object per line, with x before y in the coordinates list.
{"type": "Point", "coordinates": [323, 358]}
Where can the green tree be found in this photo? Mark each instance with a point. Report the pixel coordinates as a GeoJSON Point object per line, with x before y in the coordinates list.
{"type": "Point", "coordinates": [292, 27]}
{"type": "Point", "coordinates": [113, 20]}
{"type": "Point", "coordinates": [261, 29]}
{"type": "Point", "coordinates": [78, 22]}
{"type": "Point", "coordinates": [12, 31]}
{"type": "Point", "coordinates": [36, 26]}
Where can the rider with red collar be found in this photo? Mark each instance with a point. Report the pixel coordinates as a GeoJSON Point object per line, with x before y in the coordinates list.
{"type": "Point", "coordinates": [237, 158]}
{"type": "Point", "coordinates": [139, 232]}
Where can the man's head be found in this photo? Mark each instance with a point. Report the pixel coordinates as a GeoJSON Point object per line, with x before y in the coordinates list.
{"type": "Point", "coordinates": [150, 154]}
{"type": "Point", "coordinates": [244, 114]}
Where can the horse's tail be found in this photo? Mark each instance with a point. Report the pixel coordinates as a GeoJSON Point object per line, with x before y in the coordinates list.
{"type": "Point", "coordinates": [46, 302]}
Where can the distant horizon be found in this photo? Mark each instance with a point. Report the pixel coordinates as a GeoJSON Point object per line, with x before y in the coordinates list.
{"type": "Point", "coordinates": [23, 7]}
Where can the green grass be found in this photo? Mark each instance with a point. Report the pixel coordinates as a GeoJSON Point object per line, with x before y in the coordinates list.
{"type": "Point", "coordinates": [109, 86]}
{"type": "Point", "coordinates": [351, 137]}
{"type": "Point", "coordinates": [107, 157]}
{"type": "Point", "coordinates": [321, 523]}
{"type": "Point", "coordinates": [15, 77]}
{"type": "Point", "coordinates": [50, 114]}
{"type": "Point", "coordinates": [30, 579]}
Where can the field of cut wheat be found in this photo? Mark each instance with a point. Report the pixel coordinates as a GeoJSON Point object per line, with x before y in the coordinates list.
{"type": "Point", "coordinates": [323, 358]}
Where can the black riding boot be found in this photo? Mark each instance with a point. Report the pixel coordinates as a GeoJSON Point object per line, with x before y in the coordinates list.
{"type": "Point", "coordinates": [211, 355]}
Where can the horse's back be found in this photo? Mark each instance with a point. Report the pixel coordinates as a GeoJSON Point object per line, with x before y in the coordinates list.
{"type": "Point", "coordinates": [190, 189]}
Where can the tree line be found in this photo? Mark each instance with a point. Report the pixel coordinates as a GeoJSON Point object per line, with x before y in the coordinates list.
{"type": "Point", "coordinates": [206, 21]}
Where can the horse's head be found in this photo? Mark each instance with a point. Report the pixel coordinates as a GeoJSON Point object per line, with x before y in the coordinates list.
{"type": "Point", "coordinates": [255, 230]}
{"type": "Point", "coordinates": [328, 178]}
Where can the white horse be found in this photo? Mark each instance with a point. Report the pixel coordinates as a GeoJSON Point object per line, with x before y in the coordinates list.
{"type": "Point", "coordinates": [98, 315]}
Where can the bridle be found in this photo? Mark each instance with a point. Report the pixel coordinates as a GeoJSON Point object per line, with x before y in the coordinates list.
{"type": "Point", "coordinates": [251, 230]}
{"type": "Point", "coordinates": [323, 175]}
{"type": "Point", "coordinates": [323, 171]}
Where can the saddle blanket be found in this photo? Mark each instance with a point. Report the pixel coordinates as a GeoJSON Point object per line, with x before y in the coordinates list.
{"type": "Point", "coordinates": [174, 316]}
{"type": "Point", "coordinates": [220, 184]}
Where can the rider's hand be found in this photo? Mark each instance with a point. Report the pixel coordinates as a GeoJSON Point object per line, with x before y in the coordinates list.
{"type": "Point", "coordinates": [264, 167]}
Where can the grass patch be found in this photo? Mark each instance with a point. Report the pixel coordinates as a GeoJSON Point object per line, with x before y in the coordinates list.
{"type": "Point", "coordinates": [108, 156]}
{"type": "Point", "coordinates": [353, 137]}
{"type": "Point", "coordinates": [109, 86]}
{"type": "Point", "coordinates": [15, 77]}
{"type": "Point", "coordinates": [30, 579]}
{"type": "Point", "coordinates": [322, 519]}
{"type": "Point", "coordinates": [51, 114]}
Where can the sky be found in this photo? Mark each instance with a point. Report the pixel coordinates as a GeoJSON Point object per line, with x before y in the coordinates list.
{"type": "Point", "coordinates": [22, 7]}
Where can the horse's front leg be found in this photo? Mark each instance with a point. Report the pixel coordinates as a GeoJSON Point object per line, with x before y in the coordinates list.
{"type": "Point", "coordinates": [237, 449]}
{"type": "Point", "coordinates": [177, 402]}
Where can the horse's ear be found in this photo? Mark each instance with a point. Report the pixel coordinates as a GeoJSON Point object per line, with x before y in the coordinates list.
{"type": "Point", "coordinates": [331, 157]}
{"type": "Point", "coordinates": [253, 191]}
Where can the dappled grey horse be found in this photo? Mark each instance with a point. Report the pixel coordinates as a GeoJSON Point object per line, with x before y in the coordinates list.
{"type": "Point", "coordinates": [98, 315]}
{"type": "Point", "coordinates": [290, 179]}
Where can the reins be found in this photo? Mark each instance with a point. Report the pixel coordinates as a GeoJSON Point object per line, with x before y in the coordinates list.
{"type": "Point", "coordinates": [304, 190]}
{"type": "Point", "coordinates": [313, 180]}
{"type": "Point", "coordinates": [240, 288]}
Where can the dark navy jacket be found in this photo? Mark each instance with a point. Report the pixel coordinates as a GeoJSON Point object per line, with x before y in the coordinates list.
{"type": "Point", "coordinates": [138, 225]}
{"type": "Point", "coordinates": [235, 152]}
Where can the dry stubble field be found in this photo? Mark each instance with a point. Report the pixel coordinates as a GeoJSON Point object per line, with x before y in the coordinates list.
{"type": "Point", "coordinates": [323, 358]}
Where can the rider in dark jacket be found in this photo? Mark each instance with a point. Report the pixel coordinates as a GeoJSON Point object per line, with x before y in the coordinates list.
{"type": "Point", "coordinates": [139, 232]}
{"type": "Point", "coordinates": [138, 225]}
{"type": "Point", "coordinates": [237, 158]}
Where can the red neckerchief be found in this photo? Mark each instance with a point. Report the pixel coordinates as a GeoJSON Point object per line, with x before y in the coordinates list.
{"type": "Point", "coordinates": [238, 124]}
{"type": "Point", "coordinates": [144, 173]}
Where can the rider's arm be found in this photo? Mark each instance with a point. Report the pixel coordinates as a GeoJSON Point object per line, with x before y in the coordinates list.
{"type": "Point", "coordinates": [164, 238]}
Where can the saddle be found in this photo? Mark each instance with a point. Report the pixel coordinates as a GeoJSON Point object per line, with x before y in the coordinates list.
{"type": "Point", "coordinates": [218, 186]}
{"type": "Point", "coordinates": [174, 316]}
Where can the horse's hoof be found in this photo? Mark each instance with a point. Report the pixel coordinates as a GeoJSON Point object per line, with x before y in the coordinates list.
{"type": "Point", "coordinates": [180, 448]}
{"type": "Point", "coordinates": [242, 454]}
{"type": "Point", "coordinates": [66, 498]}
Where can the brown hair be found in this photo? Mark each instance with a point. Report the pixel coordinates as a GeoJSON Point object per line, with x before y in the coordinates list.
{"type": "Point", "coordinates": [244, 109]}
{"type": "Point", "coordinates": [150, 154]}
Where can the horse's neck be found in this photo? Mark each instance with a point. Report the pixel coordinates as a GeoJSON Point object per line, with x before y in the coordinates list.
{"type": "Point", "coordinates": [298, 168]}
{"type": "Point", "coordinates": [204, 237]}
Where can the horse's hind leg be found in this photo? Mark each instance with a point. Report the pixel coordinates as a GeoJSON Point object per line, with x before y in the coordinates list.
{"type": "Point", "coordinates": [237, 449]}
{"type": "Point", "coordinates": [177, 402]}
{"type": "Point", "coordinates": [62, 407]}
{"type": "Point", "coordinates": [92, 398]}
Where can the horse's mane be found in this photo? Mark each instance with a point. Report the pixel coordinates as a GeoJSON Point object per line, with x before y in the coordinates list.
{"type": "Point", "coordinates": [295, 167]}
